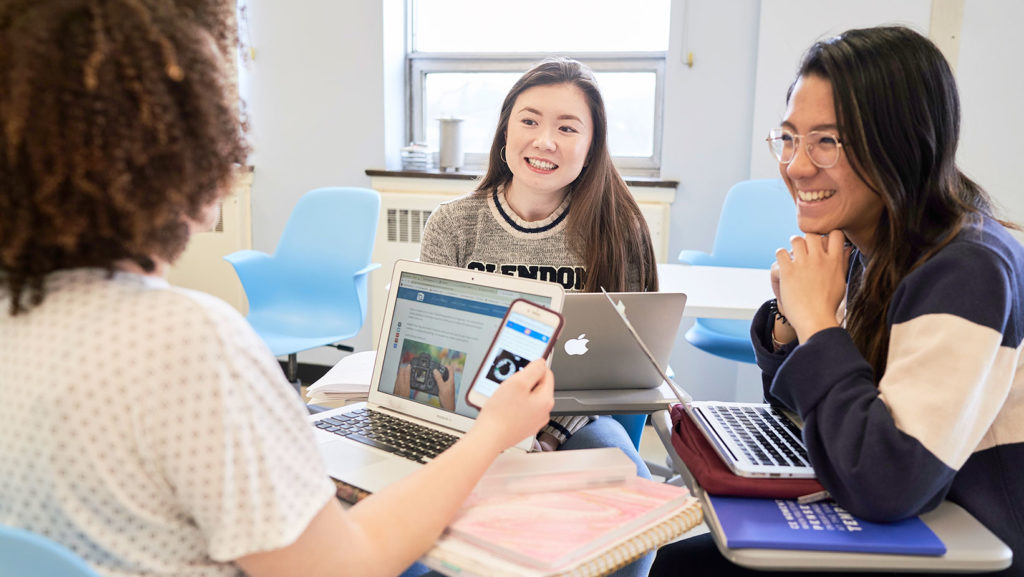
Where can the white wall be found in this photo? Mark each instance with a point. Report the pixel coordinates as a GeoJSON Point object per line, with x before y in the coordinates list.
{"type": "Point", "coordinates": [315, 105]}
{"type": "Point", "coordinates": [316, 109]}
{"type": "Point", "coordinates": [788, 29]}
{"type": "Point", "coordinates": [707, 130]}
{"type": "Point", "coordinates": [324, 102]}
{"type": "Point", "coordinates": [991, 79]}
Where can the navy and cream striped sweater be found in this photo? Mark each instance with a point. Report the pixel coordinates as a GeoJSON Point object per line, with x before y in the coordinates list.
{"type": "Point", "coordinates": [946, 421]}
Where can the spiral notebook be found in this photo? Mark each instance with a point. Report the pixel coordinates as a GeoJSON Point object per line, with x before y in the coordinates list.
{"type": "Point", "coordinates": [583, 532]}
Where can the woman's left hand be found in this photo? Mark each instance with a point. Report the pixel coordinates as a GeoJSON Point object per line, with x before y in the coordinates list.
{"type": "Point", "coordinates": [812, 281]}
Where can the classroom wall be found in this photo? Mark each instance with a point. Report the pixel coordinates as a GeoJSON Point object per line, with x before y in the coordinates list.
{"type": "Point", "coordinates": [991, 80]}
{"type": "Point", "coordinates": [708, 115]}
{"type": "Point", "coordinates": [323, 104]}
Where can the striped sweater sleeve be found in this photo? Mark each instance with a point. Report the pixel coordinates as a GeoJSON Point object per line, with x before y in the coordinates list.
{"type": "Point", "coordinates": [891, 450]}
{"type": "Point", "coordinates": [563, 427]}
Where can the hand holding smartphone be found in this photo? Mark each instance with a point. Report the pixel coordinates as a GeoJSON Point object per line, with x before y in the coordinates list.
{"type": "Point", "coordinates": [527, 333]}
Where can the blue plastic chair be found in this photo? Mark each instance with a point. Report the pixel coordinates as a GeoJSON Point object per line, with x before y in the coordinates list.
{"type": "Point", "coordinates": [634, 425]}
{"type": "Point", "coordinates": [312, 291]}
{"type": "Point", "coordinates": [27, 554]}
{"type": "Point", "coordinates": [758, 217]}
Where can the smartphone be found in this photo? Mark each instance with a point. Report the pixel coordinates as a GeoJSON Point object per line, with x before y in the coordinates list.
{"type": "Point", "coordinates": [527, 333]}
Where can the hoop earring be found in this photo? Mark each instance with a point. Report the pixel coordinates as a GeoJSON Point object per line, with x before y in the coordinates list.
{"type": "Point", "coordinates": [501, 154]}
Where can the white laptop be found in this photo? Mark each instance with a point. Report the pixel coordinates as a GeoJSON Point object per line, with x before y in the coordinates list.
{"type": "Point", "coordinates": [436, 316]}
{"type": "Point", "coordinates": [753, 439]}
{"type": "Point", "coordinates": [595, 351]}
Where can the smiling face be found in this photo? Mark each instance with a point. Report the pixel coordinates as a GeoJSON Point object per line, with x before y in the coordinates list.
{"type": "Point", "coordinates": [547, 139]}
{"type": "Point", "coordinates": [833, 198]}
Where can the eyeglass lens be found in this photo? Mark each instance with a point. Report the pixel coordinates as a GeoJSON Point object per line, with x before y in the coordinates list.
{"type": "Point", "coordinates": [821, 147]}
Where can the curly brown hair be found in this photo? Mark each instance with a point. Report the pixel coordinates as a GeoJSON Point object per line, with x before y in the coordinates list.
{"type": "Point", "coordinates": [118, 129]}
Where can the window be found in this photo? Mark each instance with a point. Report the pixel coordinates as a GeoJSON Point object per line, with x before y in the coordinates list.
{"type": "Point", "coordinates": [464, 55]}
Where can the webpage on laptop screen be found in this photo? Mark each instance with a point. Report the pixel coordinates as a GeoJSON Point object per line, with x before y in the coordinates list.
{"type": "Point", "coordinates": [442, 326]}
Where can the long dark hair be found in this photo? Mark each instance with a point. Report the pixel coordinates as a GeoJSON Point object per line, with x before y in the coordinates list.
{"type": "Point", "coordinates": [899, 118]}
{"type": "Point", "coordinates": [604, 224]}
{"type": "Point", "coordinates": [118, 128]}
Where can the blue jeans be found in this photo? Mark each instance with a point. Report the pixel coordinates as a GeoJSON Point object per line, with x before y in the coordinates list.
{"type": "Point", "coordinates": [419, 570]}
{"type": "Point", "coordinates": [604, 432]}
{"type": "Point", "coordinates": [607, 432]}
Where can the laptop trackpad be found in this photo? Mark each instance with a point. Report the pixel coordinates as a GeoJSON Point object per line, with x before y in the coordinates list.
{"type": "Point", "coordinates": [342, 456]}
{"type": "Point", "coordinates": [364, 467]}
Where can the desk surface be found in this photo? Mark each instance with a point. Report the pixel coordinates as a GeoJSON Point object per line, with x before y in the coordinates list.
{"type": "Point", "coordinates": [970, 547]}
{"type": "Point", "coordinates": [717, 292]}
{"type": "Point", "coordinates": [617, 401]}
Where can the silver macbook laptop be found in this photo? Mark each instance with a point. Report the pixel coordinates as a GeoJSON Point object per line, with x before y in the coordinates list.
{"type": "Point", "coordinates": [595, 351]}
{"type": "Point", "coordinates": [436, 318]}
{"type": "Point", "coordinates": [753, 439]}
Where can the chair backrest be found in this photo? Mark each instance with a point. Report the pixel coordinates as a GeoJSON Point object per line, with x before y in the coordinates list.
{"type": "Point", "coordinates": [26, 554]}
{"type": "Point", "coordinates": [332, 224]}
{"type": "Point", "coordinates": [331, 231]}
{"type": "Point", "coordinates": [757, 218]}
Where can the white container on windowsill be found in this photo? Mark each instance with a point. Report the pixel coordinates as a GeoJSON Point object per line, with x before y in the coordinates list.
{"type": "Point", "coordinates": [451, 156]}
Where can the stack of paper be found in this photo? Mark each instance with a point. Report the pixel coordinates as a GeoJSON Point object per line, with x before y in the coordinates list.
{"type": "Point", "coordinates": [346, 382]}
{"type": "Point", "coordinates": [417, 157]}
{"type": "Point", "coordinates": [514, 472]}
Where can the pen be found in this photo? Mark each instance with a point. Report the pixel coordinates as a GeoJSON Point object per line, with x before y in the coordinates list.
{"type": "Point", "coordinates": [813, 497]}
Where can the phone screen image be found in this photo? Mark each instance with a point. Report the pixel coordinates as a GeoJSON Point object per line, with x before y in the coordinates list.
{"type": "Point", "coordinates": [520, 340]}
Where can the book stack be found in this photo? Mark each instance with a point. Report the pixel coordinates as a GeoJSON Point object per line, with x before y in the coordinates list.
{"type": "Point", "coordinates": [346, 382]}
{"type": "Point", "coordinates": [417, 157]}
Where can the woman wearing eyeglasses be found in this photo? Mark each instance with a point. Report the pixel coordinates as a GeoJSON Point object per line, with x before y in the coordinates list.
{"type": "Point", "coordinates": [896, 331]}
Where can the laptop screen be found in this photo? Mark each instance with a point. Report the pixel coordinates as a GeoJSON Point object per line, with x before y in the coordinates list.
{"type": "Point", "coordinates": [442, 326]}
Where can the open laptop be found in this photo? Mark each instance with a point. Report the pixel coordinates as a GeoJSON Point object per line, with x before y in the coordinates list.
{"type": "Point", "coordinates": [753, 439]}
{"type": "Point", "coordinates": [436, 317]}
{"type": "Point", "coordinates": [595, 351]}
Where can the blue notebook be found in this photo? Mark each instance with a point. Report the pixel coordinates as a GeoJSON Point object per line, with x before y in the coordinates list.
{"type": "Point", "coordinates": [822, 526]}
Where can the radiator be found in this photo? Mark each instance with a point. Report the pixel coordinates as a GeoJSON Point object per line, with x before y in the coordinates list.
{"type": "Point", "coordinates": [202, 266]}
{"type": "Point", "coordinates": [399, 233]}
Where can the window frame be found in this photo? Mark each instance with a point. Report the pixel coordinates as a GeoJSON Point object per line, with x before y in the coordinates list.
{"type": "Point", "coordinates": [419, 64]}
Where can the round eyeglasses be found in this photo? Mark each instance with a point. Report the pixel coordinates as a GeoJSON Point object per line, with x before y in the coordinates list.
{"type": "Point", "coordinates": [822, 148]}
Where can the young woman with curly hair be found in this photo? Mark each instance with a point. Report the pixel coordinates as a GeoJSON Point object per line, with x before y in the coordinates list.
{"type": "Point", "coordinates": [147, 427]}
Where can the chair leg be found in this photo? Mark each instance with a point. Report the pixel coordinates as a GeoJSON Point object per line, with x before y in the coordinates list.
{"type": "Point", "coordinates": [293, 372]}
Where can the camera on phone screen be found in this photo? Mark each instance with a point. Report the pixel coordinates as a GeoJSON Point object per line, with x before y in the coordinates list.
{"type": "Point", "coordinates": [505, 365]}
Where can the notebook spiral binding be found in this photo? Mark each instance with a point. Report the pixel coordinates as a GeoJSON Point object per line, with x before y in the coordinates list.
{"type": "Point", "coordinates": [639, 545]}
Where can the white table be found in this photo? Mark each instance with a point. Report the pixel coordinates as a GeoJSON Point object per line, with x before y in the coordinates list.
{"type": "Point", "coordinates": [970, 548]}
{"type": "Point", "coordinates": [717, 292]}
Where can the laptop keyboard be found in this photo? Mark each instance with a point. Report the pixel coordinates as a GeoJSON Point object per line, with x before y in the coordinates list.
{"type": "Point", "coordinates": [765, 436]}
{"type": "Point", "coordinates": [382, 431]}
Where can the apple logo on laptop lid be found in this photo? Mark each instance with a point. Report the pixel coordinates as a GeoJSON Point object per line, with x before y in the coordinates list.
{"type": "Point", "coordinates": [577, 346]}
